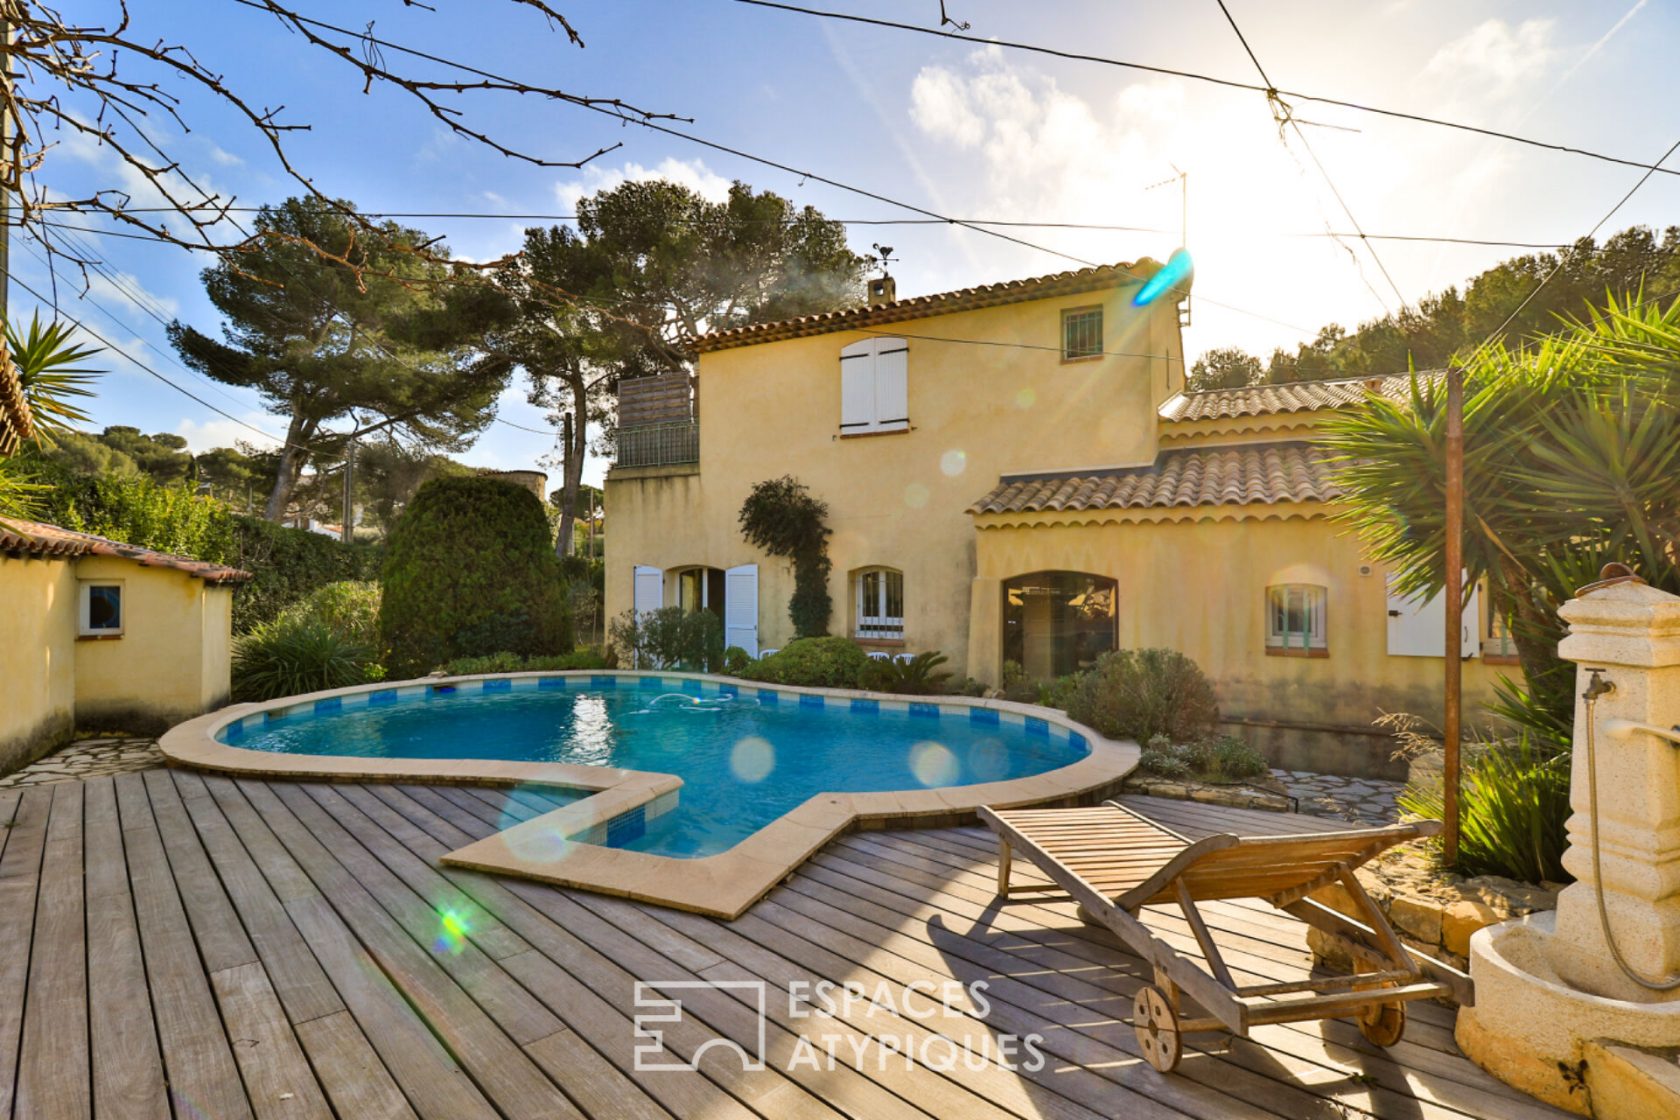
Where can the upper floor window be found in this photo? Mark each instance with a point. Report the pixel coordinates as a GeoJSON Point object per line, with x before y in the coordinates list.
{"type": "Point", "coordinates": [874, 386]}
{"type": "Point", "coordinates": [1082, 335]}
{"type": "Point", "coordinates": [102, 610]}
{"type": "Point", "coordinates": [880, 604]}
{"type": "Point", "coordinates": [1295, 618]}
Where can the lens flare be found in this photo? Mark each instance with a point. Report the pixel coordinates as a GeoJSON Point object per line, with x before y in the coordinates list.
{"type": "Point", "coordinates": [453, 929]}
{"type": "Point", "coordinates": [1175, 272]}
{"type": "Point", "coordinates": [933, 764]}
{"type": "Point", "coordinates": [915, 495]}
{"type": "Point", "coordinates": [752, 759]}
{"type": "Point", "coordinates": [954, 462]}
{"type": "Point", "coordinates": [1025, 398]}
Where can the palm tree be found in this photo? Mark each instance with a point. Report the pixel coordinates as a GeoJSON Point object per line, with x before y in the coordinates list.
{"type": "Point", "coordinates": [1572, 445]}
{"type": "Point", "coordinates": [41, 379]}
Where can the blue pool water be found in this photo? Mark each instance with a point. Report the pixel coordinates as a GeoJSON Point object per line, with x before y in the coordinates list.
{"type": "Point", "coordinates": [744, 761]}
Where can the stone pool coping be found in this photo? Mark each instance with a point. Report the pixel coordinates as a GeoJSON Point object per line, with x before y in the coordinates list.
{"type": "Point", "coordinates": [724, 885]}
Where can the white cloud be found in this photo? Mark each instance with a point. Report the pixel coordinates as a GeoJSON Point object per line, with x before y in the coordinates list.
{"type": "Point", "coordinates": [124, 294]}
{"type": "Point", "coordinates": [1495, 57]}
{"type": "Point", "coordinates": [219, 431]}
{"type": "Point", "coordinates": [693, 174]}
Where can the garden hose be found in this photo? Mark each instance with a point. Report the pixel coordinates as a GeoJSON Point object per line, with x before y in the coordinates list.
{"type": "Point", "coordinates": [1598, 688]}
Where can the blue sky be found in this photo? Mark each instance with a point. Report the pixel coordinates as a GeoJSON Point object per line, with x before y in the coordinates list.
{"type": "Point", "coordinates": [958, 128]}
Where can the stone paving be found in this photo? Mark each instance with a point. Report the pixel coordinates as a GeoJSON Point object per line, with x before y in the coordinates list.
{"type": "Point", "coordinates": [87, 758]}
{"type": "Point", "coordinates": [1365, 800]}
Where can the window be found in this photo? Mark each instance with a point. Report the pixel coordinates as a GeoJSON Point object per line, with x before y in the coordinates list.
{"type": "Point", "coordinates": [1081, 333]}
{"type": "Point", "coordinates": [700, 589]}
{"type": "Point", "coordinates": [101, 608]}
{"type": "Point", "coordinates": [1500, 644]}
{"type": "Point", "coordinates": [874, 386]}
{"type": "Point", "coordinates": [1055, 623]}
{"type": "Point", "coordinates": [1295, 619]}
{"type": "Point", "coordinates": [880, 604]}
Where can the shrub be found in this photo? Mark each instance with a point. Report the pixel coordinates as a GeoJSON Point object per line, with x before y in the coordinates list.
{"type": "Point", "coordinates": [505, 662]}
{"type": "Point", "coordinates": [919, 676]}
{"type": "Point", "coordinates": [669, 638]}
{"type": "Point", "coordinates": [469, 570]}
{"type": "Point", "coordinates": [781, 517]}
{"type": "Point", "coordinates": [1513, 805]}
{"type": "Point", "coordinates": [813, 662]}
{"type": "Point", "coordinates": [736, 660]}
{"type": "Point", "coordinates": [1163, 763]}
{"type": "Point", "coordinates": [1137, 694]}
{"type": "Point", "coordinates": [285, 564]}
{"type": "Point", "coordinates": [1236, 759]}
{"type": "Point", "coordinates": [349, 608]}
{"type": "Point", "coordinates": [290, 656]}
{"type": "Point", "coordinates": [1057, 693]}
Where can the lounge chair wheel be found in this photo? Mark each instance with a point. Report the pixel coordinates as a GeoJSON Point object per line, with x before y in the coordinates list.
{"type": "Point", "coordinates": [1157, 1029]}
{"type": "Point", "coordinates": [1383, 1024]}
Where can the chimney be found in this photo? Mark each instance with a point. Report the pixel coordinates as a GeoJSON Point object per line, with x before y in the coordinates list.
{"type": "Point", "coordinates": [882, 289]}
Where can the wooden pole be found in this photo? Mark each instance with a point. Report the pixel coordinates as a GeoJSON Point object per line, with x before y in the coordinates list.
{"type": "Point", "coordinates": [1453, 691]}
{"type": "Point", "coordinates": [347, 532]}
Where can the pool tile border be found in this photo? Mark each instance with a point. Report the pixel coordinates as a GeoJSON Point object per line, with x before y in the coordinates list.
{"type": "Point", "coordinates": [565, 846]}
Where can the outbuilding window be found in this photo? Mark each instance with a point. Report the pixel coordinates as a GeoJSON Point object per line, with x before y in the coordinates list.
{"type": "Point", "coordinates": [1082, 333]}
{"type": "Point", "coordinates": [880, 604]}
{"type": "Point", "coordinates": [875, 387]}
{"type": "Point", "coordinates": [1295, 619]}
{"type": "Point", "coordinates": [102, 610]}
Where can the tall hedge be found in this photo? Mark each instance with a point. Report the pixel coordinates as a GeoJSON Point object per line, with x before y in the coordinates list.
{"type": "Point", "coordinates": [285, 564]}
{"type": "Point", "coordinates": [470, 570]}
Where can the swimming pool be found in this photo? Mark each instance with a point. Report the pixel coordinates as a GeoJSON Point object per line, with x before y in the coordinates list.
{"type": "Point", "coordinates": [746, 756]}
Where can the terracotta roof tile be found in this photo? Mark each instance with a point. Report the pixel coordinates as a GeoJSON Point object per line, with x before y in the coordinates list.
{"type": "Point", "coordinates": [1198, 476]}
{"type": "Point", "coordinates": [1268, 400]}
{"type": "Point", "coordinates": [942, 303]}
{"type": "Point", "coordinates": [36, 538]}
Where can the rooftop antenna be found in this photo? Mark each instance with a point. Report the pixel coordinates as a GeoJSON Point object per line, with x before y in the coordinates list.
{"type": "Point", "coordinates": [1182, 178]}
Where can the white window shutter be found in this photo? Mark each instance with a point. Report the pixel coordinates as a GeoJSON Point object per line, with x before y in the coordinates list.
{"type": "Point", "coordinates": [892, 391]}
{"type": "Point", "coordinates": [1472, 639]}
{"type": "Point", "coordinates": [648, 592]}
{"type": "Point", "coordinates": [1417, 627]}
{"type": "Point", "coordinates": [740, 608]}
{"type": "Point", "coordinates": [857, 386]}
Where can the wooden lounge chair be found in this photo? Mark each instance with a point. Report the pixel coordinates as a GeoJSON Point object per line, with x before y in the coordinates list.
{"type": "Point", "coordinates": [1114, 862]}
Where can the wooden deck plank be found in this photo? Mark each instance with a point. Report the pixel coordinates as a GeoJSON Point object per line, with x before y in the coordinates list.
{"type": "Point", "coordinates": [433, 1082]}
{"type": "Point", "coordinates": [127, 1068]}
{"type": "Point", "coordinates": [278, 1080]}
{"type": "Point", "coordinates": [304, 989]}
{"type": "Point", "coordinates": [20, 876]}
{"type": "Point", "coordinates": [55, 1078]}
{"type": "Point", "coordinates": [197, 1058]}
{"type": "Point", "coordinates": [588, 987]}
{"type": "Point", "coordinates": [505, 1073]}
{"type": "Point", "coordinates": [348, 1004]}
{"type": "Point", "coordinates": [222, 942]}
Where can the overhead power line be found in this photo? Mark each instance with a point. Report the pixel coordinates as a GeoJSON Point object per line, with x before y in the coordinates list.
{"type": "Point", "coordinates": [1097, 227]}
{"type": "Point", "coordinates": [1228, 83]}
{"type": "Point", "coordinates": [367, 37]}
{"type": "Point", "coordinates": [1286, 118]}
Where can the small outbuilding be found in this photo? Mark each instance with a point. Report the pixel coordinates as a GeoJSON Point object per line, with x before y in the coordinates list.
{"type": "Point", "coordinates": [96, 633]}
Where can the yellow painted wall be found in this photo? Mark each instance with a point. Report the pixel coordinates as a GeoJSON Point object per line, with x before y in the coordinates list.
{"type": "Point", "coordinates": [37, 657]}
{"type": "Point", "coordinates": [1199, 586]}
{"type": "Point", "coordinates": [898, 499]}
{"type": "Point", "coordinates": [171, 661]}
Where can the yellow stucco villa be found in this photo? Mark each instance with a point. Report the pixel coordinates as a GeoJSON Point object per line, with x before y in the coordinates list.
{"type": "Point", "coordinates": [104, 635]}
{"type": "Point", "coordinates": [1017, 477]}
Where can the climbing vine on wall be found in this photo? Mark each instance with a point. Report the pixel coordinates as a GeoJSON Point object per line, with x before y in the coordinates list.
{"type": "Point", "coordinates": [783, 518]}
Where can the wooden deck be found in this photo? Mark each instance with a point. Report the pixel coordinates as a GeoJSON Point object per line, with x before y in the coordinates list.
{"type": "Point", "coordinates": [186, 946]}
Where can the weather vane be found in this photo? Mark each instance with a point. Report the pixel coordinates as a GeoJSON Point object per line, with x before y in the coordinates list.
{"type": "Point", "coordinates": [885, 252]}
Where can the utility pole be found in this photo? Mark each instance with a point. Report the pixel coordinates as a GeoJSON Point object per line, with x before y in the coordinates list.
{"type": "Point", "coordinates": [8, 154]}
{"type": "Point", "coordinates": [1453, 692]}
{"type": "Point", "coordinates": [348, 531]}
